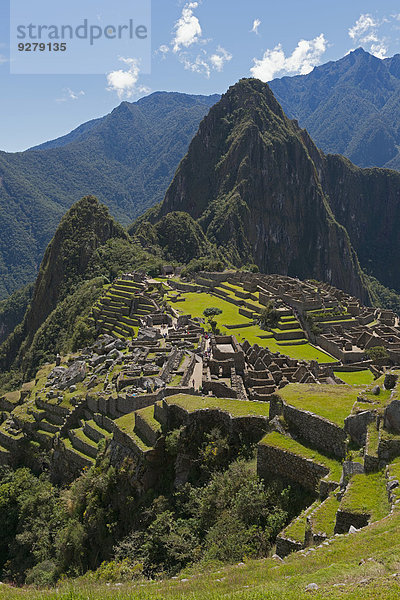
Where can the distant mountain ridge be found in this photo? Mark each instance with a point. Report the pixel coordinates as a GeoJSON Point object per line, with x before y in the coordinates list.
{"type": "Point", "coordinates": [349, 107]}
{"type": "Point", "coordinates": [127, 159]}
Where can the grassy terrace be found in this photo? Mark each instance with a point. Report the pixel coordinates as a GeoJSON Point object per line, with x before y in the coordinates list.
{"type": "Point", "coordinates": [195, 303]}
{"type": "Point", "coordinates": [356, 377]}
{"type": "Point", "coordinates": [147, 415]}
{"type": "Point", "coordinates": [127, 424]}
{"type": "Point", "coordinates": [366, 493]}
{"type": "Point", "coordinates": [297, 528]}
{"type": "Point", "coordinates": [380, 401]}
{"type": "Point", "coordinates": [69, 446]}
{"type": "Point", "coordinates": [237, 408]}
{"type": "Point", "coordinates": [372, 440]}
{"type": "Point", "coordinates": [276, 440]}
{"type": "Point", "coordinates": [324, 518]}
{"type": "Point", "coordinates": [333, 402]}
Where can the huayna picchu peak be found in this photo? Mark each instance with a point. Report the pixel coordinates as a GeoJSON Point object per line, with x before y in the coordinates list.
{"type": "Point", "coordinates": [263, 192]}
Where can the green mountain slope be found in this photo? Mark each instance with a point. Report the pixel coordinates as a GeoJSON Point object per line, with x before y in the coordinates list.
{"type": "Point", "coordinates": [127, 159]}
{"type": "Point", "coordinates": [349, 107]}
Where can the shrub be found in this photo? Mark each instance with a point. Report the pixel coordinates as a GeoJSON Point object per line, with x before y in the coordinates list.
{"type": "Point", "coordinates": [377, 353]}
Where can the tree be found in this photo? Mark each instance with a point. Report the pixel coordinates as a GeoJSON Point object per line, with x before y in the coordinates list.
{"type": "Point", "coordinates": [209, 314]}
{"type": "Point", "coordinates": [376, 353]}
{"type": "Point", "coordinates": [269, 316]}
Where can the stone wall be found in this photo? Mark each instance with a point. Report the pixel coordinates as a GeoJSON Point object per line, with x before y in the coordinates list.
{"type": "Point", "coordinates": [285, 546]}
{"type": "Point", "coordinates": [249, 428]}
{"type": "Point", "coordinates": [356, 425]}
{"type": "Point", "coordinates": [320, 432]}
{"type": "Point", "coordinates": [345, 519]}
{"type": "Point", "coordinates": [274, 461]}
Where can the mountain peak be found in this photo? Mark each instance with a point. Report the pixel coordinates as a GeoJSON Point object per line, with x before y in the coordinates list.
{"type": "Point", "coordinates": [251, 180]}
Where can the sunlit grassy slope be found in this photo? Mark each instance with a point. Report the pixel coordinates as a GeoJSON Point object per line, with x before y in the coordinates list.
{"type": "Point", "coordinates": [360, 566]}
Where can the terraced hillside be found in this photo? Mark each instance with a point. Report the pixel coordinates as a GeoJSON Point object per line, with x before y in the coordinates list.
{"type": "Point", "coordinates": [120, 309]}
{"type": "Point", "coordinates": [157, 384]}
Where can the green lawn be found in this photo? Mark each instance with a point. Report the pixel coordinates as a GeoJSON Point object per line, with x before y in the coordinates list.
{"type": "Point", "coordinates": [297, 528]}
{"type": "Point", "coordinates": [372, 440]}
{"type": "Point", "coordinates": [333, 402]}
{"type": "Point", "coordinates": [356, 377]}
{"type": "Point", "coordinates": [195, 304]}
{"type": "Point", "coordinates": [127, 425]}
{"type": "Point", "coordinates": [298, 351]}
{"type": "Point", "coordinates": [237, 408]}
{"type": "Point", "coordinates": [277, 440]}
{"type": "Point", "coordinates": [366, 493]}
{"type": "Point", "coordinates": [394, 471]}
{"type": "Point", "coordinates": [324, 518]}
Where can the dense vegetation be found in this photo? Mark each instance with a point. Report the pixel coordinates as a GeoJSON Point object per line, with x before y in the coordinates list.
{"type": "Point", "coordinates": [12, 310]}
{"type": "Point", "coordinates": [225, 513]}
{"type": "Point", "coordinates": [127, 159]}
{"type": "Point", "coordinates": [349, 107]}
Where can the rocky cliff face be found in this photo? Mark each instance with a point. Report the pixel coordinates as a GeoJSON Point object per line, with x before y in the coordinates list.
{"type": "Point", "coordinates": [367, 203]}
{"type": "Point", "coordinates": [252, 179]}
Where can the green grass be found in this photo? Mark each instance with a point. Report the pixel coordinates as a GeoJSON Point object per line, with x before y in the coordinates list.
{"type": "Point", "coordinates": [297, 528]}
{"type": "Point", "coordinates": [324, 518]}
{"type": "Point", "coordinates": [23, 412]}
{"type": "Point", "coordinates": [333, 402]}
{"type": "Point", "coordinates": [79, 433]}
{"type": "Point", "coordinates": [176, 380]}
{"type": "Point", "coordinates": [127, 424]}
{"type": "Point", "coordinates": [94, 425]}
{"type": "Point", "coordinates": [147, 415]}
{"type": "Point", "coordinates": [237, 408]}
{"type": "Point", "coordinates": [356, 377]}
{"type": "Point", "coordinates": [380, 401]}
{"type": "Point", "coordinates": [366, 493]}
{"type": "Point", "coordinates": [352, 567]}
{"type": "Point", "coordinates": [298, 351]}
{"type": "Point", "coordinates": [195, 304]}
{"type": "Point", "coordinates": [67, 444]}
{"type": "Point", "coordinates": [276, 440]}
{"type": "Point", "coordinates": [394, 471]}
{"type": "Point", "coordinates": [372, 440]}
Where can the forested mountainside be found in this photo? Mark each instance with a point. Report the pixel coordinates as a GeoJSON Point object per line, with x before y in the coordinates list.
{"type": "Point", "coordinates": [127, 159]}
{"type": "Point", "coordinates": [349, 107]}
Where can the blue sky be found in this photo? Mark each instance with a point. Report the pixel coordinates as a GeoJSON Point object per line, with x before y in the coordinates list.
{"type": "Point", "coordinates": [198, 47]}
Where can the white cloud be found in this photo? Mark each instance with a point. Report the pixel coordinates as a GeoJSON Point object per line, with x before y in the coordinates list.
{"type": "Point", "coordinates": [219, 59]}
{"type": "Point", "coordinates": [379, 50]}
{"type": "Point", "coordinates": [199, 64]}
{"type": "Point", "coordinates": [70, 95]}
{"type": "Point", "coordinates": [164, 49]}
{"type": "Point", "coordinates": [187, 34]}
{"type": "Point", "coordinates": [365, 32]}
{"type": "Point", "coordinates": [124, 82]}
{"type": "Point", "coordinates": [303, 59]}
{"type": "Point", "coordinates": [187, 29]}
{"type": "Point", "coordinates": [363, 24]}
{"type": "Point", "coordinates": [256, 25]}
